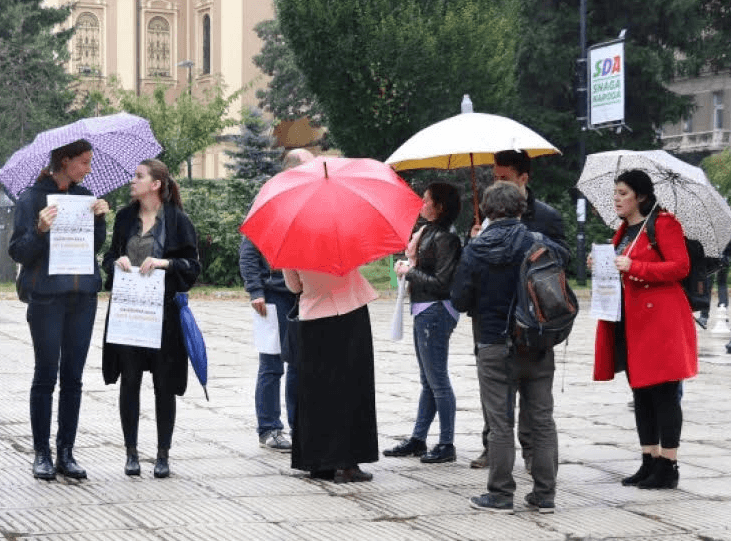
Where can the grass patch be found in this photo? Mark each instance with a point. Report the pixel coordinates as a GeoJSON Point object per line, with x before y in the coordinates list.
{"type": "Point", "coordinates": [377, 273]}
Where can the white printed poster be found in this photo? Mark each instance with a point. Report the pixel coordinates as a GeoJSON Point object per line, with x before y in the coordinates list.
{"type": "Point", "coordinates": [71, 242]}
{"type": "Point", "coordinates": [136, 308]}
{"type": "Point", "coordinates": [606, 286]}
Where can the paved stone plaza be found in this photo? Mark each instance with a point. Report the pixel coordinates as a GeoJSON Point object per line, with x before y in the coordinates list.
{"type": "Point", "coordinates": [223, 486]}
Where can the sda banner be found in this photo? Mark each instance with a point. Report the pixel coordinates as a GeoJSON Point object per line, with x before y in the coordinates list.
{"type": "Point", "coordinates": [606, 83]}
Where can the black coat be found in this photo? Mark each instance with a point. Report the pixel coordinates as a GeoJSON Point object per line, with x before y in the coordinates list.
{"type": "Point", "coordinates": [180, 247]}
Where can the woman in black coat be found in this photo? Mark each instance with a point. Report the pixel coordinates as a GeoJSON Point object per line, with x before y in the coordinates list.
{"type": "Point", "coordinates": [151, 233]}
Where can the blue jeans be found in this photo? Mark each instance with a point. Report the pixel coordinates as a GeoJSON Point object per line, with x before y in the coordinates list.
{"type": "Point", "coordinates": [271, 367]}
{"type": "Point", "coordinates": [60, 326]}
{"type": "Point", "coordinates": [432, 329]}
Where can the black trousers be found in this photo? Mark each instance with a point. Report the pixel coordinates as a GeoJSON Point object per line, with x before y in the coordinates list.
{"type": "Point", "coordinates": [133, 365]}
{"type": "Point", "coordinates": [658, 414]}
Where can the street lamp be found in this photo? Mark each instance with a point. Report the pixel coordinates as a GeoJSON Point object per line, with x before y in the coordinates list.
{"type": "Point", "coordinates": [188, 64]}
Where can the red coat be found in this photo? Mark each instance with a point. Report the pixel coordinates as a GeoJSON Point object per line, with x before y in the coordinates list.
{"type": "Point", "coordinates": [661, 336]}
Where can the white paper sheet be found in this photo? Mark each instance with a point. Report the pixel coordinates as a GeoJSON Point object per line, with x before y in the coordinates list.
{"type": "Point", "coordinates": [397, 322]}
{"type": "Point", "coordinates": [606, 286]}
{"type": "Point", "coordinates": [136, 309]}
{"type": "Point", "coordinates": [266, 332]}
{"type": "Point", "coordinates": [72, 235]}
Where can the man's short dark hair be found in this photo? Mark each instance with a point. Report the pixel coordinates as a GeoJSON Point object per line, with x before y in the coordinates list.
{"type": "Point", "coordinates": [503, 200]}
{"type": "Point", "coordinates": [518, 160]}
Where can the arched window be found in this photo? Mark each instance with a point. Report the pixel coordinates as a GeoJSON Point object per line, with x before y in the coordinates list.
{"type": "Point", "coordinates": [87, 43]}
{"type": "Point", "coordinates": [206, 44]}
{"type": "Point", "coordinates": [158, 48]}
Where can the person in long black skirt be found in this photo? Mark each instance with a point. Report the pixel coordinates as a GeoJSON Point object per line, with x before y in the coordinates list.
{"type": "Point", "coordinates": [335, 427]}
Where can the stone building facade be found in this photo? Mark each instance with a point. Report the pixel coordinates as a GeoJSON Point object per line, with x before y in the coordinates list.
{"type": "Point", "coordinates": [707, 129]}
{"type": "Point", "coordinates": [145, 41]}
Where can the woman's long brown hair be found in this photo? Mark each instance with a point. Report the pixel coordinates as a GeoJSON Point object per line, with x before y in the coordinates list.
{"type": "Point", "coordinates": [169, 190]}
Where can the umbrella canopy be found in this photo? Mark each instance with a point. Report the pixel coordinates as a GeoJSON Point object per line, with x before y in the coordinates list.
{"type": "Point", "coordinates": [332, 215]}
{"type": "Point", "coordinates": [194, 343]}
{"type": "Point", "coordinates": [680, 188]}
{"type": "Point", "coordinates": [120, 142]}
{"type": "Point", "coordinates": [467, 140]}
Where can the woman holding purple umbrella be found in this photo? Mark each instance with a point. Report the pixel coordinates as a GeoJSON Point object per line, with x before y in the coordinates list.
{"type": "Point", "coordinates": [61, 307]}
{"type": "Point", "coordinates": [152, 233]}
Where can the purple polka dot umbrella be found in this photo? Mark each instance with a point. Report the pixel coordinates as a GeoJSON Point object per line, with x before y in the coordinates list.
{"type": "Point", "coordinates": [120, 141]}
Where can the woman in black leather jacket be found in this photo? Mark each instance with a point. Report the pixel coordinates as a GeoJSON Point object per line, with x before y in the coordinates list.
{"type": "Point", "coordinates": [429, 273]}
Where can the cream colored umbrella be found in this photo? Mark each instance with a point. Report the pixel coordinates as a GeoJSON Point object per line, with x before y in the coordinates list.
{"type": "Point", "coordinates": [467, 140]}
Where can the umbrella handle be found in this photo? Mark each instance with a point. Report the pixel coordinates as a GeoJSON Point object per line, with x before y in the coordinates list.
{"type": "Point", "coordinates": [475, 198]}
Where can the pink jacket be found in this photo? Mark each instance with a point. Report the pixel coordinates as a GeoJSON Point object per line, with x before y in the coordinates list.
{"type": "Point", "coordinates": [326, 295]}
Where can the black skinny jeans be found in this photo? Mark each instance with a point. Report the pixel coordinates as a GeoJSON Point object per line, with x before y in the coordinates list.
{"type": "Point", "coordinates": [658, 414]}
{"type": "Point", "coordinates": [129, 398]}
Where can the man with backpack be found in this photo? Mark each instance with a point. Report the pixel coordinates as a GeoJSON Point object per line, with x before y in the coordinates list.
{"type": "Point", "coordinates": [515, 166]}
{"type": "Point", "coordinates": [486, 283]}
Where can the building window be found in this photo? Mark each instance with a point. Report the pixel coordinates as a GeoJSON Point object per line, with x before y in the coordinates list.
{"type": "Point", "coordinates": [158, 48]}
{"type": "Point", "coordinates": [718, 110]}
{"type": "Point", "coordinates": [688, 124]}
{"type": "Point", "coordinates": [87, 45]}
{"type": "Point", "coordinates": [206, 44]}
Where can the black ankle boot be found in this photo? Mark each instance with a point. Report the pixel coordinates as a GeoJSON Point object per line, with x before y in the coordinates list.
{"type": "Point", "coordinates": [66, 465]}
{"type": "Point", "coordinates": [664, 474]}
{"type": "Point", "coordinates": [132, 467]}
{"type": "Point", "coordinates": [648, 461]}
{"type": "Point", "coordinates": [43, 466]}
{"type": "Point", "coordinates": [162, 469]}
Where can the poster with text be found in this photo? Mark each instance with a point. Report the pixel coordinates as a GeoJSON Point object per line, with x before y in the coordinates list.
{"type": "Point", "coordinates": [71, 241]}
{"type": "Point", "coordinates": [136, 308]}
{"type": "Point", "coordinates": [606, 84]}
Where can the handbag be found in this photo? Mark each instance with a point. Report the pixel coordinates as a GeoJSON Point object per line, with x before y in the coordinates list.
{"type": "Point", "coordinates": [23, 295]}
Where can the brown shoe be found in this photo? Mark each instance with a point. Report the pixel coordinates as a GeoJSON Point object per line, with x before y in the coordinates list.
{"type": "Point", "coordinates": [481, 461]}
{"type": "Point", "coordinates": [352, 475]}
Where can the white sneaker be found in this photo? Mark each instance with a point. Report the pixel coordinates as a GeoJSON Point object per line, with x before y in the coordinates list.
{"type": "Point", "coordinates": [275, 440]}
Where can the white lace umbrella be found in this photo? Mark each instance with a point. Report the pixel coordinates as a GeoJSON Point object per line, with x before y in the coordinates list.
{"type": "Point", "coordinates": [681, 188]}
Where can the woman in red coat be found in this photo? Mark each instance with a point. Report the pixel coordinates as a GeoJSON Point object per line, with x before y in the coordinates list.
{"type": "Point", "coordinates": [655, 341]}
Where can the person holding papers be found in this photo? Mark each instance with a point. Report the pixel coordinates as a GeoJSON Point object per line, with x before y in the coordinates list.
{"type": "Point", "coordinates": [61, 307]}
{"type": "Point", "coordinates": [152, 233]}
{"type": "Point", "coordinates": [655, 340]}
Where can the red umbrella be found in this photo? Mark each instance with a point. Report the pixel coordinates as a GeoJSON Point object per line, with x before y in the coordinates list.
{"type": "Point", "coordinates": [332, 215]}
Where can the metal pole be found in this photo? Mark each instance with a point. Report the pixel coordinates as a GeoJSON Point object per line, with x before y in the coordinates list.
{"type": "Point", "coordinates": [581, 96]}
{"type": "Point", "coordinates": [190, 93]}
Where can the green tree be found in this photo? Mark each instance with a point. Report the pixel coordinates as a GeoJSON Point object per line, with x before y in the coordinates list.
{"type": "Point", "coordinates": [186, 126]}
{"type": "Point", "coordinates": [718, 169]}
{"type": "Point", "coordinates": [34, 86]}
{"type": "Point", "coordinates": [384, 69]}
{"type": "Point", "coordinates": [286, 96]}
{"type": "Point", "coordinates": [255, 158]}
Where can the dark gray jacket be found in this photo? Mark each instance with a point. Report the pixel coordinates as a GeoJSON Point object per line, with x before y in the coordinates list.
{"type": "Point", "coordinates": [436, 258]}
{"type": "Point", "coordinates": [31, 248]}
{"type": "Point", "coordinates": [257, 274]}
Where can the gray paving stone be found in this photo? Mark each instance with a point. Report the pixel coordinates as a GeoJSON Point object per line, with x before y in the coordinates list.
{"type": "Point", "coordinates": [603, 522]}
{"type": "Point", "coordinates": [262, 485]}
{"type": "Point", "coordinates": [307, 507]}
{"type": "Point", "coordinates": [107, 535]}
{"type": "Point", "coordinates": [244, 531]}
{"type": "Point", "coordinates": [65, 519]}
{"type": "Point", "coordinates": [414, 503]}
{"type": "Point", "coordinates": [46, 494]}
{"type": "Point", "coordinates": [133, 489]}
{"type": "Point", "coordinates": [484, 526]}
{"type": "Point", "coordinates": [696, 515]}
{"type": "Point", "coordinates": [191, 511]}
{"type": "Point", "coordinates": [357, 530]}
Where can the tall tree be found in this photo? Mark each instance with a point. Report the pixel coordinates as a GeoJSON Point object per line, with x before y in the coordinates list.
{"type": "Point", "coordinates": [34, 93]}
{"type": "Point", "coordinates": [287, 95]}
{"type": "Point", "coordinates": [384, 69]}
{"type": "Point", "coordinates": [186, 126]}
{"type": "Point", "coordinates": [255, 158]}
